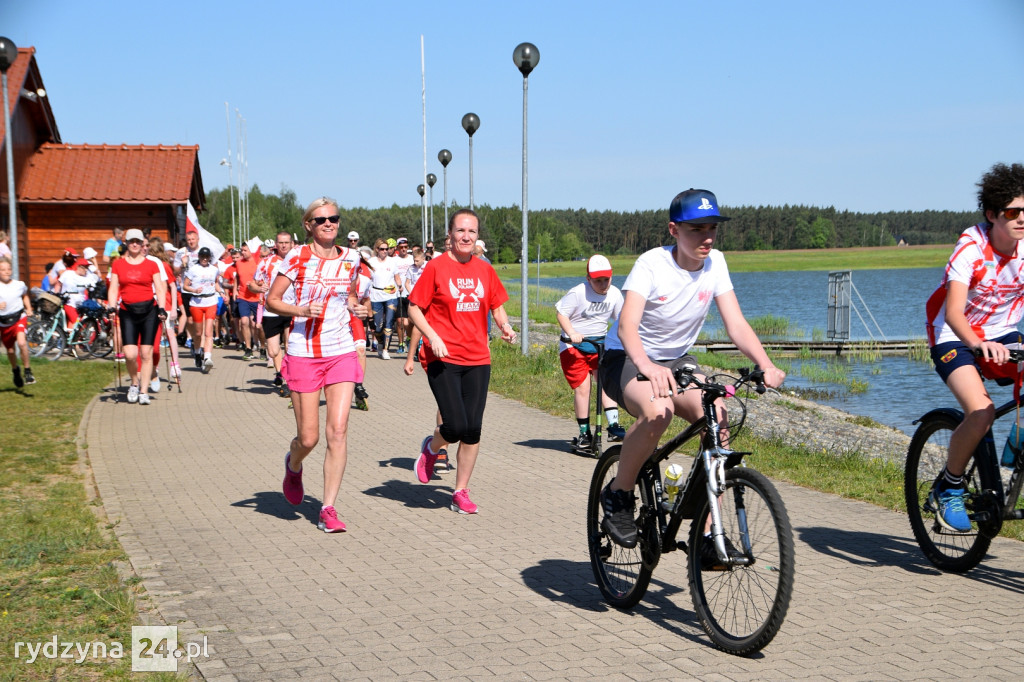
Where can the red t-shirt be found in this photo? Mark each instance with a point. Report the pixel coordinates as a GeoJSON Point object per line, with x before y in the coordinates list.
{"type": "Point", "coordinates": [135, 281]}
{"type": "Point", "coordinates": [456, 299]}
{"type": "Point", "coordinates": [229, 276]}
{"type": "Point", "coordinates": [170, 278]}
{"type": "Point", "coordinates": [246, 271]}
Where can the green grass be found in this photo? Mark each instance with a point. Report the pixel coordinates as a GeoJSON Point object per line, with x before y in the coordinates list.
{"type": "Point", "coordinates": [57, 569]}
{"type": "Point", "coordinates": [537, 381]}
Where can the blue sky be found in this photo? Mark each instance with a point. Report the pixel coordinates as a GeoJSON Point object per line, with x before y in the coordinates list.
{"type": "Point", "coordinates": [872, 105]}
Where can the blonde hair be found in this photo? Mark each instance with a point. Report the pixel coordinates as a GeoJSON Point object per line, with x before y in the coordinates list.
{"type": "Point", "coordinates": [317, 203]}
{"type": "Point", "coordinates": [156, 249]}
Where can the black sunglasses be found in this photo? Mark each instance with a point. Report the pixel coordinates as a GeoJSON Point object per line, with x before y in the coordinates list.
{"type": "Point", "coordinates": [1013, 212]}
{"type": "Point", "coordinates": [320, 220]}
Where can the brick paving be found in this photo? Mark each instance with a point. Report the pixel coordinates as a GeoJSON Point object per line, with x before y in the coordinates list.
{"type": "Point", "coordinates": [414, 591]}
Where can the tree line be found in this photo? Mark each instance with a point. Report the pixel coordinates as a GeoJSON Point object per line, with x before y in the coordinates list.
{"type": "Point", "coordinates": [567, 234]}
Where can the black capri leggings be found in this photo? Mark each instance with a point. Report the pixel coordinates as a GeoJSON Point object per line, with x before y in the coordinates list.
{"type": "Point", "coordinates": [461, 394]}
{"type": "Point", "coordinates": [138, 329]}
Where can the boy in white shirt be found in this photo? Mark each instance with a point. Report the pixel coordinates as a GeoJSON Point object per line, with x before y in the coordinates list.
{"type": "Point", "coordinates": [583, 313]}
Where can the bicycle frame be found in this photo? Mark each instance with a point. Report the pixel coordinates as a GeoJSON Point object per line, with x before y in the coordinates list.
{"type": "Point", "coordinates": [707, 475]}
{"type": "Point", "coordinates": [985, 455]}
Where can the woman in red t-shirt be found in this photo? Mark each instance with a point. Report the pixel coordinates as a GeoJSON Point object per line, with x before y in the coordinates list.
{"type": "Point", "coordinates": [449, 305]}
{"type": "Point", "coordinates": [133, 279]}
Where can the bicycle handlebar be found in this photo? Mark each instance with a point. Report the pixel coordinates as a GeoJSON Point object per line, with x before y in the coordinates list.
{"type": "Point", "coordinates": [1016, 354]}
{"type": "Point", "coordinates": [684, 376]}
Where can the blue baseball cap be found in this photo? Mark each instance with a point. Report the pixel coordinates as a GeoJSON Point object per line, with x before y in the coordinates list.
{"type": "Point", "coordinates": [695, 206]}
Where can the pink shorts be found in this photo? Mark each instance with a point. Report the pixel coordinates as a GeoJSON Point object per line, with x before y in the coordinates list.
{"type": "Point", "coordinates": [309, 375]}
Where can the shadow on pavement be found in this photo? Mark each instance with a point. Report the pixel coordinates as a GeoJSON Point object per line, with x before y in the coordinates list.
{"type": "Point", "coordinates": [572, 583]}
{"type": "Point", "coordinates": [259, 386]}
{"type": "Point", "coordinates": [413, 494]}
{"type": "Point", "coordinates": [274, 504]}
{"type": "Point", "coordinates": [561, 445]}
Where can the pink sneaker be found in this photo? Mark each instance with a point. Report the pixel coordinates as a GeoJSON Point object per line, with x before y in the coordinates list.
{"type": "Point", "coordinates": [461, 502]}
{"type": "Point", "coordinates": [425, 462]}
{"type": "Point", "coordinates": [329, 522]}
{"type": "Point", "coordinates": [292, 484]}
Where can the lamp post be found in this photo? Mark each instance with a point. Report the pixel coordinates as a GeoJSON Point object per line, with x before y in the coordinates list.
{"type": "Point", "coordinates": [431, 181]}
{"type": "Point", "coordinates": [8, 54]}
{"type": "Point", "coordinates": [525, 57]}
{"type": "Point", "coordinates": [231, 193]}
{"type": "Point", "coordinates": [445, 157]}
{"type": "Point", "coordinates": [471, 124]}
{"type": "Point", "coordinates": [421, 190]}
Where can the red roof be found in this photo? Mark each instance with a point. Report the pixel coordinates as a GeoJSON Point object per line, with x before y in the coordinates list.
{"type": "Point", "coordinates": [23, 75]}
{"type": "Point", "coordinates": [59, 173]}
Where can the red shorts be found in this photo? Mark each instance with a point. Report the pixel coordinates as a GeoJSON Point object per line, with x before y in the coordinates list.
{"type": "Point", "coordinates": [204, 313]}
{"type": "Point", "coordinates": [9, 335]}
{"type": "Point", "coordinates": [576, 365]}
{"type": "Point", "coordinates": [309, 375]}
{"type": "Point", "coordinates": [358, 331]}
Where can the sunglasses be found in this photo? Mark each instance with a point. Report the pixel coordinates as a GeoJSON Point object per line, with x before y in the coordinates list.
{"type": "Point", "coordinates": [382, 248]}
{"type": "Point", "coordinates": [139, 241]}
{"type": "Point", "coordinates": [1013, 212]}
{"type": "Point", "coordinates": [320, 220]}
{"type": "Point", "coordinates": [351, 241]}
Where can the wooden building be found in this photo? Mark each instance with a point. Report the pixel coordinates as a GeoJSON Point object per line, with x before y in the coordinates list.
{"type": "Point", "coordinates": [74, 195]}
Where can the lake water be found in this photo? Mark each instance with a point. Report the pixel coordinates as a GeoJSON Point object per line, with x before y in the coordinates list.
{"type": "Point", "coordinates": [899, 390]}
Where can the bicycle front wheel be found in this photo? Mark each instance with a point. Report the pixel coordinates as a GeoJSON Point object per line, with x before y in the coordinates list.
{"type": "Point", "coordinates": [85, 337]}
{"type": "Point", "coordinates": [46, 340]}
{"type": "Point", "coordinates": [104, 343]}
{"type": "Point", "coordinates": [926, 458]}
{"type": "Point", "coordinates": [742, 607]}
{"type": "Point", "coordinates": [622, 574]}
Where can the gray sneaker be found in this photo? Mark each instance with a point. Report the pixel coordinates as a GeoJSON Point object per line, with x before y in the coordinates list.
{"type": "Point", "coordinates": [143, 399]}
{"type": "Point", "coordinates": [133, 394]}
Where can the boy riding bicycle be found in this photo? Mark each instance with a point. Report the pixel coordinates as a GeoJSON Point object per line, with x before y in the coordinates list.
{"type": "Point", "coordinates": [667, 296]}
{"type": "Point", "coordinates": [975, 310]}
{"type": "Point", "coordinates": [585, 311]}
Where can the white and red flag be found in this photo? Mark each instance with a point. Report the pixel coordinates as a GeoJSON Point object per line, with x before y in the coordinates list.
{"type": "Point", "coordinates": [205, 238]}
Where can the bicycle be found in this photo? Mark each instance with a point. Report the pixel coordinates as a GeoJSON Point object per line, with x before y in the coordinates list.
{"type": "Point", "coordinates": [90, 336]}
{"type": "Point", "coordinates": [740, 601]}
{"type": "Point", "coordinates": [594, 448]}
{"type": "Point", "coordinates": [987, 504]}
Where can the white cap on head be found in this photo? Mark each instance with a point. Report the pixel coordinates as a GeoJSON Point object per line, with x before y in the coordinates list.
{"type": "Point", "coordinates": [134, 233]}
{"type": "Point", "coordinates": [353, 235]}
{"type": "Point", "coordinates": [88, 252]}
{"type": "Point", "coordinates": [480, 243]}
{"type": "Point", "coordinates": [598, 266]}
{"type": "Point", "coordinates": [169, 247]}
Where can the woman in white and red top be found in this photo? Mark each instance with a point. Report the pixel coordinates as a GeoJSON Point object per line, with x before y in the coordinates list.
{"type": "Point", "coordinates": [449, 305]}
{"type": "Point", "coordinates": [316, 285]}
{"type": "Point", "coordinates": [133, 280]}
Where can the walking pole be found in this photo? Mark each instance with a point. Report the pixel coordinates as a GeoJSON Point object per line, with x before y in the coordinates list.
{"type": "Point", "coordinates": [167, 354]}
{"type": "Point", "coordinates": [177, 377]}
{"type": "Point", "coordinates": [117, 349]}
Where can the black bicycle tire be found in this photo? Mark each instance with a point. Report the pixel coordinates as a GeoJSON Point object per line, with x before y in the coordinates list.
{"type": "Point", "coordinates": [50, 345]}
{"type": "Point", "coordinates": [86, 335]}
{"type": "Point", "coordinates": [963, 550]}
{"type": "Point", "coordinates": [621, 574]}
{"type": "Point", "coordinates": [759, 592]}
{"type": "Point", "coordinates": [103, 346]}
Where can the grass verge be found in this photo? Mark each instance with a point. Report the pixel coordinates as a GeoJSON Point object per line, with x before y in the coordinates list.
{"type": "Point", "coordinates": [58, 572]}
{"type": "Point", "coordinates": [537, 381]}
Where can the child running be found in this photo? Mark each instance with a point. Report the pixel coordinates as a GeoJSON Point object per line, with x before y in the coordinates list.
{"type": "Point", "coordinates": [15, 306]}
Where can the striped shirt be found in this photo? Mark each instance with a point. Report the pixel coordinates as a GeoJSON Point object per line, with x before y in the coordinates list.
{"type": "Point", "coordinates": [324, 280]}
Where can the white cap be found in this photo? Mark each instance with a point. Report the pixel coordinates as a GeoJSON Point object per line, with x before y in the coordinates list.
{"type": "Point", "coordinates": [480, 243]}
{"type": "Point", "coordinates": [134, 233]}
{"type": "Point", "coordinates": [269, 243]}
{"type": "Point", "coordinates": [353, 235]}
{"type": "Point", "coordinates": [598, 266]}
{"type": "Point", "coordinates": [169, 247]}
{"type": "Point", "coordinates": [88, 252]}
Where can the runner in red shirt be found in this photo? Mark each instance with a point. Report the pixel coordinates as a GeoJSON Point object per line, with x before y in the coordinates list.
{"type": "Point", "coordinates": [449, 305]}
{"type": "Point", "coordinates": [248, 300]}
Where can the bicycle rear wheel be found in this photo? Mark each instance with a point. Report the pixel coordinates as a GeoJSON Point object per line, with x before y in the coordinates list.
{"type": "Point", "coordinates": [741, 608]}
{"type": "Point", "coordinates": [46, 340]}
{"type": "Point", "coordinates": [621, 574]}
{"type": "Point", "coordinates": [85, 336]}
{"type": "Point", "coordinates": [926, 458]}
{"type": "Point", "coordinates": [104, 343]}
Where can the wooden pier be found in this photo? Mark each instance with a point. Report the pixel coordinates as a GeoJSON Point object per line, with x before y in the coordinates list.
{"type": "Point", "coordinates": [837, 347]}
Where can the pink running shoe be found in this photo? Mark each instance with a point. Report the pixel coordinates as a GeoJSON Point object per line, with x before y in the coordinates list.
{"type": "Point", "coordinates": [329, 522]}
{"type": "Point", "coordinates": [425, 462]}
{"type": "Point", "coordinates": [292, 484]}
{"type": "Point", "coordinates": [461, 502]}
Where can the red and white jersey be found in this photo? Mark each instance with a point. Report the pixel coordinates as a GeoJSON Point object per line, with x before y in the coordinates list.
{"type": "Point", "coordinates": [325, 280]}
{"type": "Point", "coordinates": [995, 288]}
{"type": "Point", "coordinates": [265, 272]}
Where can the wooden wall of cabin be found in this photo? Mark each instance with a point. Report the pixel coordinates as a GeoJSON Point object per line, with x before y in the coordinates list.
{"type": "Point", "coordinates": [50, 228]}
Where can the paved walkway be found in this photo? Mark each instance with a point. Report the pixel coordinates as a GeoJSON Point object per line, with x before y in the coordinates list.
{"type": "Point", "coordinates": [414, 591]}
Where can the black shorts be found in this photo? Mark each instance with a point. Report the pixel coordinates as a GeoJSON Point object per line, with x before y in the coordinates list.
{"type": "Point", "coordinates": [617, 370]}
{"type": "Point", "coordinates": [138, 329]}
{"type": "Point", "coordinates": [186, 302]}
{"type": "Point", "coordinates": [461, 394]}
{"type": "Point", "coordinates": [275, 325]}
{"type": "Point", "coordinates": [403, 307]}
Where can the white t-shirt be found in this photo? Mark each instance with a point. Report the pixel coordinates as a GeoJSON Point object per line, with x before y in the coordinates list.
{"type": "Point", "coordinates": [382, 279]}
{"type": "Point", "coordinates": [325, 280]}
{"type": "Point", "coordinates": [203, 277]}
{"type": "Point", "coordinates": [402, 266]}
{"type": "Point", "coordinates": [995, 289]}
{"type": "Point", "coordinates": [11, 294]}
{"type": "Point", "coordinates": [74, 285]}
{"type": "Point", "coordinates": [412, 276]}
{"type": "Point", "coordinates": [677, 301]}
{"type": "Point", "coordinates": [588, 311]}
{"type": "Point", "coordinates": [183, 260]}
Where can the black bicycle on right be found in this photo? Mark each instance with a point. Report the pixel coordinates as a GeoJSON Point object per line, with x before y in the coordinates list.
{"type": "Point", "coordinates": [987, 503]}
{"type": "Point", "coordinates": [742, 596]}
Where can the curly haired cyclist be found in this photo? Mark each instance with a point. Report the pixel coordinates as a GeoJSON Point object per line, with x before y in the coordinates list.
{"type": "Point", "coordinates": [976, 308]}
{"type": "Point", "coordinates": [667, 296]}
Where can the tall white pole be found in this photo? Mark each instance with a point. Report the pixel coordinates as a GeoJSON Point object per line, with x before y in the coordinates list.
{"type": "Point", "coordinates": [524, 319]}
{"type": "Point", "coordinates": [238, 177]}
{"type": "Point", "coordinates": [12, 217]}
{"type": "Point", "coordinates": [423, 78]}
{"type": "Point", "coordinates": [231, 192]}
{"type": "Point", "coordinates": [245, 136]}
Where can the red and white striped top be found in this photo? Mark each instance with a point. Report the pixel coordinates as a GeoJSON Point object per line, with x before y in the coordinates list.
{"type": "Point", "coordinates": [326, 280]}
